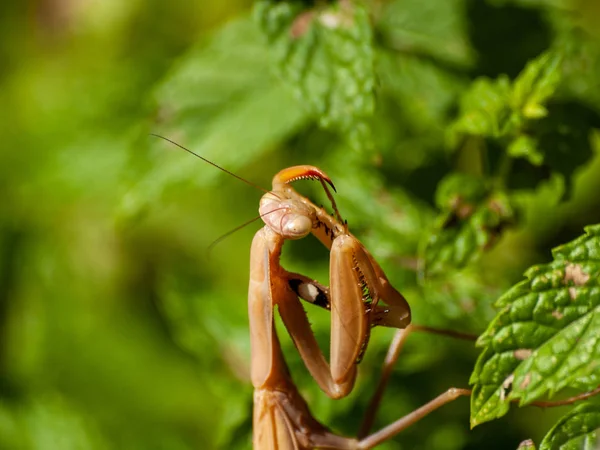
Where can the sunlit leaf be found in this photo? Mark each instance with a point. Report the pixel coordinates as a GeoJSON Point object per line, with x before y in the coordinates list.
{"type": "Point", "coordinates": [500, 109]}
{"type": "Point", "coordinates": [536, 84]}
{"type": "Point", "coordinates": [526, 147]}
{"type": "Point", "coordinates": [545, 337]}
{"type": "Point", "coordinates": [326, 55]}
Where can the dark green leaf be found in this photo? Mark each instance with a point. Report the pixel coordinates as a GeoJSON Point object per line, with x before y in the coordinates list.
{"type": "Point", "coordinates": [545, 337]}
{"type": "Point", "coordinates": [581, 66]}
{"type": "Point", "coordinates": [560, 142]}
{"type": "Point", "coordinates": [575, 430]}
{"type": "Point", "coordinates": [564, 137]}
{"type": "Point", "coordinates": [326, 55]}
{"type": "Point", "coordinates": [471, 219]}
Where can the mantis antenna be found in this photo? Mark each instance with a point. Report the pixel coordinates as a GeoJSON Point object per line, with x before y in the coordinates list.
{"type": "Point", "coordinates": [229, 233]}
{"type": "Point", "coordinates": [238, 228]}
{"type": "Point", "coordinates": [213, 164]}
{"type": "Point", "coordinates": [256, 186]}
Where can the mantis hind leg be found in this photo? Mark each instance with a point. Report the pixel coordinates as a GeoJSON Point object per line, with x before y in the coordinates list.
{"type": "Point", "coordinates": [401, 424]}
{"type": "Point", "coordinates": [393, 353]}
{"type": "Point", "coordinates": [390, 360]}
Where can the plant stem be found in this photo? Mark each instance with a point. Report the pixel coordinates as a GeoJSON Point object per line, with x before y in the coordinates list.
{"type": "Point", "coordinates": [503, 171]}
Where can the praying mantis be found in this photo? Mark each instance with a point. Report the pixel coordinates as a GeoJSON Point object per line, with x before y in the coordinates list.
{"type": "Point", "coordinates": [282, 420]}
{"type": "Point", "coordinates": [281, 417]}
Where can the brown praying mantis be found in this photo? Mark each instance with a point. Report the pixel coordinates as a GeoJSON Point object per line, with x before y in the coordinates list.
{"type": "Point", "coordinates": [282, 419]}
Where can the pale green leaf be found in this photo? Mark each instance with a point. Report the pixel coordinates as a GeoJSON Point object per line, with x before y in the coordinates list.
{"type": "Point", "coordinates": [536, 84]}
{"type": "Point", "coordinates": [499, 109]}
{"type": "Point", "coordinates": [424, 91]}
{"type": "Point", "coordinates": [434, 29]}
{"type": "Point", "coordinates": [526, 147]}
{"type": "Point", "coordinates": [326, 55]}
{"type": "Point", "coordinates": [221, 102]}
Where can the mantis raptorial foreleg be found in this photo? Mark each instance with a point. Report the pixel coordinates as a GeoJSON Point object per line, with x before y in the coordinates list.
{"type": "Point", "coordinates": [282, 420]}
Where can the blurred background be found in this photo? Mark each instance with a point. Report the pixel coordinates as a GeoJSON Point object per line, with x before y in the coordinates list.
{"type": "Point", "coordinates": [118, 330]}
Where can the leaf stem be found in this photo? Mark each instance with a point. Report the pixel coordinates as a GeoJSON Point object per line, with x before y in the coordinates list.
{"type": "Point", "coordinates": [566, 401]}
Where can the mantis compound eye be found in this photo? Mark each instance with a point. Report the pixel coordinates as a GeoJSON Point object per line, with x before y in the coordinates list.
{"type": "Point", "coordinates": [290, 218]}
{"type": "Point", "coordinates": [295, 226]}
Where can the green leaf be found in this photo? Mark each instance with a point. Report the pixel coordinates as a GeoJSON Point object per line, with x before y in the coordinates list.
{"type": "Point", "coordinates": [457, 189]}
{"type": "Point", "coordinates": [497, 108]}
{"type": "Point", "coordinates": [561, 141]}
{"type": "Point", "coordinates": [471, 219]}
{"type": "Point", "coordinates": [581, 66]}
{"type": "Point", "coordinates": [575, 430]}
{"type": "Point", "coordinates": [536, 84]}
{"type": "Point", "coordinates": [438, 30]}
{"type": "Point", "coordinates": [484, 109]}
{"type": "Point", "coordinates": [220, 102]}
{"type": "Point", "coordinates": [501, 109]}
{"type": "Point", "coordinates": [546, 335]}
{"type": "Point", "coordinates": [423, 90]}
{"type": "Point", "coordinates": [326, 55]}
{"type": "Point", "coordinates": [564, 138]}
{"type": "Point", "coordinates": [42, 422]}
{"type": "Point", "coordinates": [526, 147]}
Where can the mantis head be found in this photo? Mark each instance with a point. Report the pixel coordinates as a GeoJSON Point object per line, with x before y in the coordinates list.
{"type": "Point", "coordinates": [284, 210]}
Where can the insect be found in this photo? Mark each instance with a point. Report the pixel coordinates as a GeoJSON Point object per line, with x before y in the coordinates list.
{"type": "Point", "coordinates": [282, 419]}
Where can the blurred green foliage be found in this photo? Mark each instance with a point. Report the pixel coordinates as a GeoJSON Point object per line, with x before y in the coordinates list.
{"type": "Point", "coordinates": [118, 330]}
